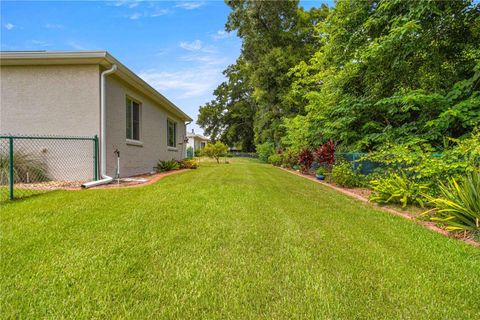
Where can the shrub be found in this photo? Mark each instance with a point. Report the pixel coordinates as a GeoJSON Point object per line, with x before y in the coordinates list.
{"type": "Point", "coordinates": [215, 150]}
{"type": "Point", "coordinates": [25, 168]}
{"type": "Point", "coordinates": [423, 164]}
{"type": "Point", "coordinates": [290, 159]}
{"type": "Point", "coordinates": [321, 171]}
{"type": "Point", "coordinates": [168, 165]}
{"type": "Point", "coordinates": [188, 164]}
{"type": "Point", "coordinates": [344, 175]}
{"type": "Point", "coordinates": [265, 150]}
{"type": "Point", "coordinates": [305, 159]}
{"type": "Point", "coordinates": [458, 207]}
{"type": "Point", "coordinates": [325, 153]}
{"type": "Point", "coordinates": [276, 159]}
{"type": "Point", "coordinates": [397, 188]}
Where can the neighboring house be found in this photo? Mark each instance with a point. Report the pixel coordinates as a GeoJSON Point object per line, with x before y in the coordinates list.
{"type": "Point", "coordinates": [196, 141]}
{"type": "Point", "coordinates": [60, 93]}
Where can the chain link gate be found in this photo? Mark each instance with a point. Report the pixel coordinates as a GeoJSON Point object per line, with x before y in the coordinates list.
{"type": "Point", "coordinates": [31, 165]}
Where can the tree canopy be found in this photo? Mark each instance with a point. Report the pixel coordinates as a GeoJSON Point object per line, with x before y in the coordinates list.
{"type": "Point", "coordinates": [363, 73]}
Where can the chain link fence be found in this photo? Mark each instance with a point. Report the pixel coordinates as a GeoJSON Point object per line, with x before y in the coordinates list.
{"type": "Point", "coordinates": [30, 165]}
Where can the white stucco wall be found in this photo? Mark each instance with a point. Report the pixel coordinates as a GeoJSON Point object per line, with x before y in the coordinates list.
{"type": "Point", "coordinates": [52, 100]}
{"type": "Point", "coordinates": [65, 100]}
{"type": "Point", "coordinates": [137, 159]}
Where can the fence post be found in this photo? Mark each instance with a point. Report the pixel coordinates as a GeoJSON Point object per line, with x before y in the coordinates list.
{"type": "Point", "coordinates": [11, 167]}
{"type": "Point", "coordinates": [95, 157]}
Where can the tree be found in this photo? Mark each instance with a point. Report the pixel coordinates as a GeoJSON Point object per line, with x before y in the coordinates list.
{"type": "Point", "coordinates": [230, 116]}
{"type": "Point", "coordinates": [215, 150]}
{"type": "Point", "coordinates": [249, 107]}
{"type": "Point", "coordinates": [385, 70]}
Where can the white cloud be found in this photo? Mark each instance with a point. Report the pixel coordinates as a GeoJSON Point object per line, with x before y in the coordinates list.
{"type": "Point", "coordinates": [184, 84]}
{"type": "Point", "coordinates": [197, 46]}
{"type": "Point", "coordinates": [9, 26]}
{"type": "Point", "coordinates": [189, 5]}
{"type": "Point", "coordinates": [209, 59]}
{"type": "Point", "coordinates": [125, 3]}
{"type": "Point", "coordinates": [40, 43]}
{"type": "Point", "coordinates": [191, 46]}
{"type": "Point", "coordinates": [53, 26]}
{"type": "Point", "coordinates": [77, 46]}
{"type": "Point", "coordinates": [221, 34]}
{"type": "Point", "coordinates": [135, 16]}
{"type": "Point", "coordinates": [159, 12]}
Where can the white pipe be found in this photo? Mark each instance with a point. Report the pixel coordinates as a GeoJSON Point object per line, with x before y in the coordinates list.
{"type": "Point", "coordinates": [103, 133]}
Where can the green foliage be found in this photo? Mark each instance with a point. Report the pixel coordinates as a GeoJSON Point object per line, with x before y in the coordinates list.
{"type": "Point", "coordinates": [421, 162]}
{"type": "Point", "coordinates": [276, 159]}
{"type": "Point", "coordinates": [290, 158]}
{"type": "Point", "coordinates": [265, 150]}
{"type": "Point", "coordinates": [391, 70]}
{"type": "Point", "coordinates": [252, 103]}
{"type": "Point", "coordinates": [363, 73]}
{"type": "Point", "coordinates": [215, 150]}
{"type": "Point", "coordinates": [26, 168]}
{"type": "Point", "coordinates": [168, 165]}
{"type": "Point", "coordinates": [344, 175]}
{"type": "Point", "coordinates": [398, 189]}
{"type": "Point", "coordinates": [458, 207]}
{"type": "Point", "coordinates": [188, 164]}
{"type": "Point", "coordinates": [230, 116]}
{"type": "Point", "coordinates": [321, 171]}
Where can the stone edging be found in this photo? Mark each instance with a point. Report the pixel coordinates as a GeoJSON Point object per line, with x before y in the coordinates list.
{"type": "Point", "coordinates": [426, 224]}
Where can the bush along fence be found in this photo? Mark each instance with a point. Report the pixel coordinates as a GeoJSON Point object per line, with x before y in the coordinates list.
{"type": "Point", "coordinates": [31, 165]}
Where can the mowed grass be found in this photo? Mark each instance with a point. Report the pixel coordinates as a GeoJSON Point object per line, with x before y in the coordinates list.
{"type": "Point", "coordinates": [232, 241]}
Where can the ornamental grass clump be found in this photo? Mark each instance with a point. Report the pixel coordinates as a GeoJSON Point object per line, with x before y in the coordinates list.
{"type": "Point", "coordinates": [398, 189]}
{"type": "Point", "coordinates": [168, 165]}
{"type": "Point", "coordinates": [26, 168]}
{"type": "Point", "coordinates": [458, 206]}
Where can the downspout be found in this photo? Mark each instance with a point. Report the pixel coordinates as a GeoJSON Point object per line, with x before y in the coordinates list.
{"type": "Point", "coordinates": [185, 144]}
{"type": "Point", "coordinates": [103, 133]}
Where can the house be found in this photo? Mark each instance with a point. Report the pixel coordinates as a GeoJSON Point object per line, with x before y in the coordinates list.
{"type": "Point", "coordinates": [88, 93]}
{"type": "Point", "coordinates": [196, 141]}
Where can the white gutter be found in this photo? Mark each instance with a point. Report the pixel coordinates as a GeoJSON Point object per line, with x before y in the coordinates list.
{"type": "Point", "coordinates": [103, 133]}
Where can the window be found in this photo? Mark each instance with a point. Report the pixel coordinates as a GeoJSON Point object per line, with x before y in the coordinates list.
{"type": "Point", "coordinates": [171, 133]}
{"type": "Point", "coordinates": [133, 120]}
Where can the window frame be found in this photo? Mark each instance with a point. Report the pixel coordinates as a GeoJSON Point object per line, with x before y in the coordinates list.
{"type": "Point", "coordinates": [171, 121]}
{"type": "Point", "coordinates": [129, 103]}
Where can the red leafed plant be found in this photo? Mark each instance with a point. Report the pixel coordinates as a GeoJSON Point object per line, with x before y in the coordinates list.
{"type": "Point", "coordinates": [325, 153]}
{"type": "Point", "coordinates": [305, 158]}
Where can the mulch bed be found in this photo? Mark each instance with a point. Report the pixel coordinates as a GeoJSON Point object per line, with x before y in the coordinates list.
{"type": "Point", "coordinates": [139, 180]}
{"type": "Point", "coordinates": [128, 182]}
{"type": "Point", "coordinates": [363, 195]}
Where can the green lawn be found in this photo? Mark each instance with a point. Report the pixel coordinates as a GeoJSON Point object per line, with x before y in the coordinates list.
{"type": "Point", "coordinates": [241, 240]}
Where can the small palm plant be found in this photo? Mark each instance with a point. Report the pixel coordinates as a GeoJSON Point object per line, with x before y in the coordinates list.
{"type": "Point", "coordinates": [25, 168]}
{"type": "Point", "coordinates": [458, 207]}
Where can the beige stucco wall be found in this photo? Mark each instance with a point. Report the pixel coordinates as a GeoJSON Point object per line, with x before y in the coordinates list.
{"type": "Point", "coordinates": [52, 100]}
{"type": "Point", "coordinates": [137, 159]}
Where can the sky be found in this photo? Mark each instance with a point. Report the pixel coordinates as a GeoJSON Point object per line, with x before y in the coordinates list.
{"type": "Point", "coordinates": [179, 47]}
